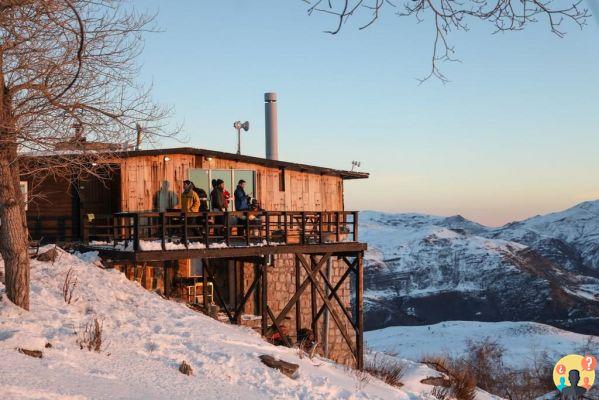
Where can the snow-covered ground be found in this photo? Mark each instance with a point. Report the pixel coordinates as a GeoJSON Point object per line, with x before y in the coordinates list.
{"type": "Point", "coordinates": [523, 341]}
{"type": "Point", "coordinates": [145, 338]}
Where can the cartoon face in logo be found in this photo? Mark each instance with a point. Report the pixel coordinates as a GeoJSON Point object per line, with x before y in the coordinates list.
{"type": "Point", "coordinates": [574, 374]}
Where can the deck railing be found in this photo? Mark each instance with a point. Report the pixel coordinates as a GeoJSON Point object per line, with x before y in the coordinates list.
{"type": "Point", "coordinates": [138, 231]}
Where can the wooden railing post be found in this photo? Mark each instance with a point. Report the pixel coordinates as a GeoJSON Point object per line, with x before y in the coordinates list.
{"type": "Point", "coordinates": [303, 229]}
{"type": "Point", "coordinates": [227, 227]}
{"type": "Point", "coordinates": [163, 230]}
{"type": "Point", "coordinates": [136, 232]}
{"type": "Point", "coordinates": [185, 240]}
{"type": "Point", "coordinates": [206, 230]}
{"type": "Point", "coordinates": [115, 230]}
{"type": "Point", "coordinates": [320, 227]}
{"type": "Point", "coordinates": [267, 218]}
{"type": "Point", "coordinates": [338, 226]}
{"type": "Point", "coordinates": [247, 228]}
{"type": "Point", "coordinates": [285, 227]}
{"type": "Point", "coordinates": [355, 226]}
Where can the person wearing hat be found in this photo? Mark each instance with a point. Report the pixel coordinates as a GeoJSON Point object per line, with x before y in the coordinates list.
{"type": "Point", "coordinates": [190, 201]}
{"type": "Point", "coordinates": [217, 196]}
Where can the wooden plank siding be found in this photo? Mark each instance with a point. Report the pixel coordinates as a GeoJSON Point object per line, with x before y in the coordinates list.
{"type": "Point", "coordinates": [143, 177]}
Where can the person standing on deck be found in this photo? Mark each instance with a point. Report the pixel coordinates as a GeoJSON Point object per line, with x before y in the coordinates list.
{"type": "Point", "coordinates": [242, 203]}
{"type": "Point", "coordinates": [217, 200]}
{"type": "Point", "coordinates": [190, 201]}
{"type": "Point", "coordinates": [242, 200]}
{"type": "Point", "coordinates": [217, 196]}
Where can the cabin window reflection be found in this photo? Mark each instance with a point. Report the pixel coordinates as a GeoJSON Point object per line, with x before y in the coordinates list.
{"type": "Point", "coordinates": [202, 178]}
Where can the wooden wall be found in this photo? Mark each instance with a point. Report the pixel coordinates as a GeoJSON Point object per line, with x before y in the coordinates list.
{"type": "Point", "coordinates": [143, 177]}
{"type": "Point", "coordinates": [49, 197]}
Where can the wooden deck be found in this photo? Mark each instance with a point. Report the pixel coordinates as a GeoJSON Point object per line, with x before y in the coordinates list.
{"type": "Point", "coordinates": [339, 249]}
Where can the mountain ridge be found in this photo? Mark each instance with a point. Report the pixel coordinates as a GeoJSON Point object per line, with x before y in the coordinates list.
{"type": "Point", "coordinates": [427, 269]}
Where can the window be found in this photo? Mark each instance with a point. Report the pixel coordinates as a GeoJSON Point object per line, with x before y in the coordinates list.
{"type": "Point", "coordinates": [202, 178]}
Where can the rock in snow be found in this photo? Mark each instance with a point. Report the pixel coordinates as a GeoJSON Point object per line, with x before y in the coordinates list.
{"type": "Point", "coordinates": [144, 339]}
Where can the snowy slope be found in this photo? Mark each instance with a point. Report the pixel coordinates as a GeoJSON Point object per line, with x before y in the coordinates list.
{"type": "Point", "coordinates": [522, 341]}
{"type": "Point", "coordinates": [425, 269]}
{"type": "Point", "coordinates": [145, 339]}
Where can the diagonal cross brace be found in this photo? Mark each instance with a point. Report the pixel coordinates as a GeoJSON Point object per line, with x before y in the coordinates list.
{"type": "Point", "coordinates": [301, 289]}
{"type": "Point", "coordinates": [328, 305]}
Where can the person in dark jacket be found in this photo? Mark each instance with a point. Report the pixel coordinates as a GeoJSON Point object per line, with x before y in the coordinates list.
{"type": "Point", "coordinates": [242, 200]}
{"type": "Point", "coordinates": [217, 196]}
{"type": "Point", "coordinates": [242, 203]}
{"type": "Point", "coordinates": [217, 200]}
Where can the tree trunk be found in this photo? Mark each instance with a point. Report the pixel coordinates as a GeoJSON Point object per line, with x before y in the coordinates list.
{"type": "Point", "coordinates": [13, 224]}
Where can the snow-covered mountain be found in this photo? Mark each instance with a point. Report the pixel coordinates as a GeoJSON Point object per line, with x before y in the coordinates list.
{"type": "Point", "coordinates": [427, 269]}
{"type": "Point", "coordinates": [569, 238]}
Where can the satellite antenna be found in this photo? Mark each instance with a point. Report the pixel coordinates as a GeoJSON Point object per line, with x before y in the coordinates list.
{"type": "Point", "coordinates": [239, 126]}
{"type": "Point", "coordinates": [355, 164]}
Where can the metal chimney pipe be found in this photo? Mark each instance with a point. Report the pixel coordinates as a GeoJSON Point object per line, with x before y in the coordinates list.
{"type": "Point", "coordinates": [271, 129]}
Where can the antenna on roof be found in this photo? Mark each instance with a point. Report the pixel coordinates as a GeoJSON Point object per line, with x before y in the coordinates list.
{"type": "Point", "coordinates": [239, 126]}
{"type": "Point", "coordinates": [355, 164]}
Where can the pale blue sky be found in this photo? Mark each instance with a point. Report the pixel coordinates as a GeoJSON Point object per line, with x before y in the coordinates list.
{"type": "Point", "coordinates": [515, 132]}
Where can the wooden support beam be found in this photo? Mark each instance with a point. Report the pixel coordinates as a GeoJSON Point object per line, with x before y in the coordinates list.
{"type": "Point", "coordinates": [313, 303]}
{"type": "Point", "coordinates": [246, 296]}
{"type": "Point", "coordinates": [163, 230]}
{"type": "Point", "coordinates": [264, 297]}
{"type": "Point", "coordinates": [359, 312]}
{"type": "Point", "coordinates": [166, 278]}
{"type": "Point", "coordinates": [329, 307]}
{"type": "Point", "coordinates": [340, 249]}
{"type": "Point", "coordinates": [277, 327]}
{"type": "Point", "coordinates": [219, 297]}
{"type": "Point", "coordinates": [204, 285]}
{"type": "Point", "coordinates": [298, 307]}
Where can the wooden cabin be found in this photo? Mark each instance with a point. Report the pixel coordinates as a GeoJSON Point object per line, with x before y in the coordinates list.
{"type": "Point", "coordinates": [284, 269]}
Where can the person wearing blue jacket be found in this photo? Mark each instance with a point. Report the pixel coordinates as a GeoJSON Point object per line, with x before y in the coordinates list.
{"type": "Point", "coordinates": [242, 200]}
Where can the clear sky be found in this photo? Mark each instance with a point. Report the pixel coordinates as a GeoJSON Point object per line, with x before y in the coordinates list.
{"type": "Point", "coordinates": [515, 133]}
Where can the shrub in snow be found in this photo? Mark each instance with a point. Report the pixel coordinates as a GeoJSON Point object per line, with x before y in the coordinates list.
{"type": "Point", "coordinates": [68, 286]}
{"type": "Point", "coordinates": [91, 336]}
{"type": "Point", "coordinates": [185, 368]}
{"type": "Point", "coordinates": [459, 382]}
{"type": "Point", "coordinates": [386, 368]}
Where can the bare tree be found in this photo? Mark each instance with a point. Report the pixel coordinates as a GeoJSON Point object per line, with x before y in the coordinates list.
{"type": "Point", "coordinates": [66, 66]}
{"type": "Point", "coordinates": [448, 15]}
